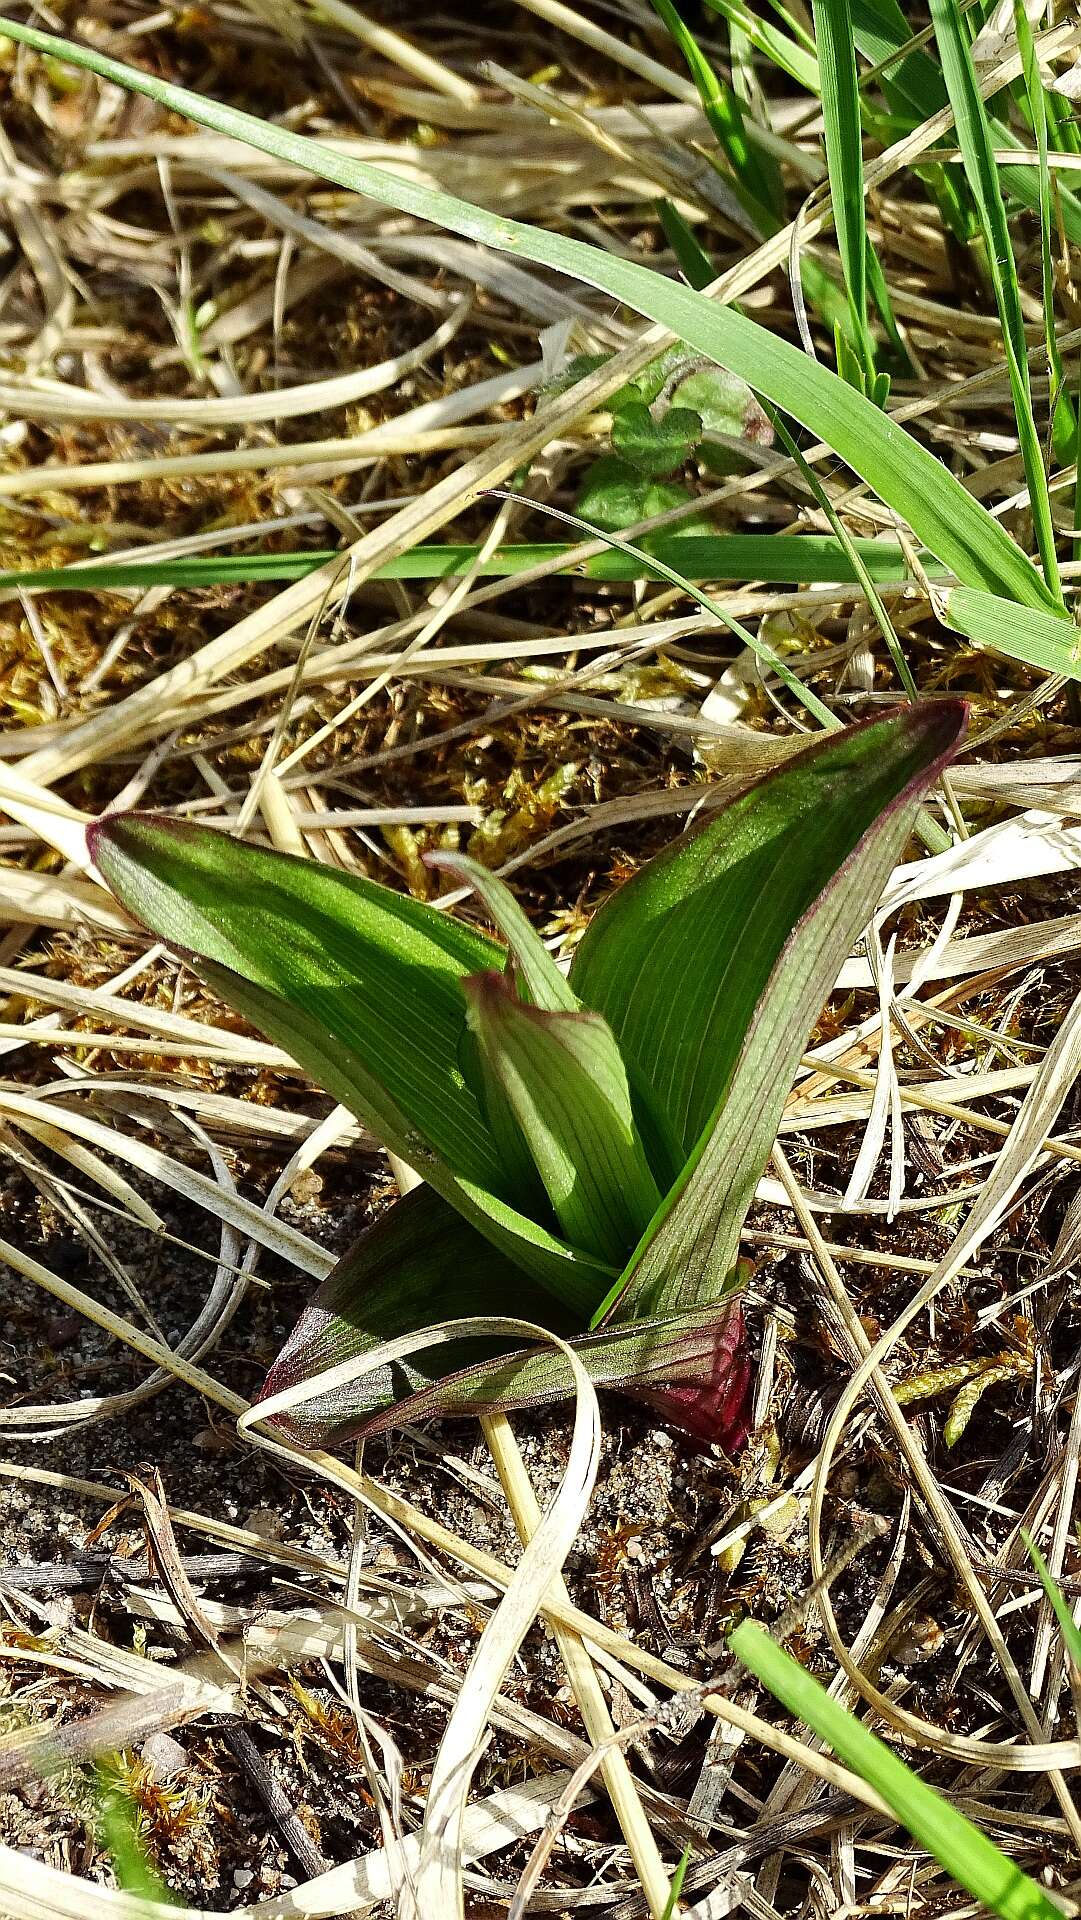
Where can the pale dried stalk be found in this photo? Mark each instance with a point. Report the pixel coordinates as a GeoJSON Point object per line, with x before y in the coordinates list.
{"type": "Point", "coordinates": [587, 1689]}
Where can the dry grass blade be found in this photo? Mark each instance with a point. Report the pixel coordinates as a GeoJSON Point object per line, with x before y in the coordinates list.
{"type": "Point", "coordinates": [438, 1882]}
{"type": "Point", "coordinates": [1042, 1103]}
{"type": "Point", "coordinates": [261, 397]}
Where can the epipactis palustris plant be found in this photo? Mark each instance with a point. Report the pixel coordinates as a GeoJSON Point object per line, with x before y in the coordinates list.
{"type": "Point", "coordinates": [589, 1144]}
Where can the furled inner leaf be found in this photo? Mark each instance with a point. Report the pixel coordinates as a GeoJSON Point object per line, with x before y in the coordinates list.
{"type": "Point", "coordinates": [538, 973]}
{"type": "Point", "coordinates": [563, 1079]}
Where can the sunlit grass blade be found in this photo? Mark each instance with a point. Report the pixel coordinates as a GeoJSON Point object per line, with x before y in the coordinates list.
{"type": "Point", "coordinates": [910, 479]}
{"type": "Point", "coordinates": [967, 1854]}
{"type": "Point", "coordinates": [844, 539]}
{"type": "Point", "coordinates": [910, 77]}
{"type": "Point", "coordinates": [754, 173]}
{"type": "Point", "coordinates": [120, 1836]}
{"type": "Point", "coordinates": [694, 262]}
{"type": "Point", "coordinates": [788, 559]}
{"type": "Point", "coordinates": [792, 53]}
{"type": "Point", "coordinates": [978, 152]}
{"type": "Point", "coordinates": [1050, 642]}
{"type": "Point", "coordinates": [761, 648]}
{"type": "Point", "coordinates": [844, 159]}
{"type": "Point", "coordinates": [1063, 419]}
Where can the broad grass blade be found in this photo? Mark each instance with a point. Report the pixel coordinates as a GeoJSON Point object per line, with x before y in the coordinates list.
{"type": "Point", "coordinates": [1047, 641]}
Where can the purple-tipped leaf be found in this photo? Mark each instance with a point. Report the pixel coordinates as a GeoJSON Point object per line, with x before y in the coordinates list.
{"type": "Point", "coordinates": [418, 1266]}
{"type": "Point", "coordinates": [363, 987]}
{"type": "Point", "coordinates": [847, 807]}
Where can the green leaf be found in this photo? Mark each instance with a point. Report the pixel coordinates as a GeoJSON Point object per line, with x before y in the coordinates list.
{"type": "Point", "coordinates": [419, 1264]}
{"type": "Point", "coordinates": [958, 530]}
{"type": "Point", "coordinates": [712, 963]}
{"type": "Point", "coordinates": [364, 988]}
{"type": "Point", "coordinates": [975, 137]}
{"type": "Point", "coordinates": [655, 447]}
{"type": "Point", "coordinates": [966, 1853]}
{"type": "Point", "coordinates": [689, 1367]}
{"type": "Point", "coordinates": [614, 495]}
{"type": "Point", "coordinates": [723, 402]}
{"type": "Point", "coordinates": [382, 972]}
{"type": "Point", "coordinates": [562, 1077]}
{"type": "Point", "coordinates": [545, 985]}
{"type": "Point", "coordinates": [1049, 642]}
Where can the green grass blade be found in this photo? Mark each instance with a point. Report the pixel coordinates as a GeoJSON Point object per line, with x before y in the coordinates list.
{"type": "Point", "coordinates": [844, 538]}
{"type": "Point", "coordinates": [976, 141]}
{"type": "Point", "coordinates": [910, 78]}
{"type": "Point", "coordinates": [844, 160]}
{"type": "Point", "coordinates": [788, 559]}
{"type": "Point", "coordinates": [694, 262]}
{"type": "Point", "coordinates": [755, 174]}
{"type": "Point", "coordinates": [791, 54]}
{"type": "Point", "coordinates": [909, 479]}
{"type": "Point", "coordinates": [1063, 420]}
{"type": "Point", "coordinates": [1050, 642]}
{"type": "Point", "coordinates": [118, 1820]}
{"type": "Point", "coordinates": [1071, 1633]}
{"type": "Point", "coordinates": [967, 1854]}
